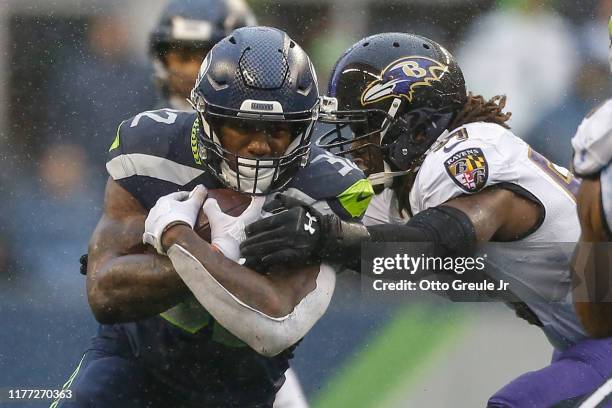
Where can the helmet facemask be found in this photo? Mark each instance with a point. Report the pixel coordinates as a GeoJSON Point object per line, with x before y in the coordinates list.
{"type": "Point", "coordinates": [395, 143]}
{"type": "Point", "coordinates": [256, 175]}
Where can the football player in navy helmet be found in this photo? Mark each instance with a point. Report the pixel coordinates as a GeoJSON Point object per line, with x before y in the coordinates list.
{"type": "Point", "coordinates": [183, 322]}
{"type": "Point", "coordinates": [185, 32]}
{"type": "Point", "coordinates": [457, 176]}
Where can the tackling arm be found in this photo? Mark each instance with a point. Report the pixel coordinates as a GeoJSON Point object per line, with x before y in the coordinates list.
{"type": "Point", "coordinates": [493, 213]}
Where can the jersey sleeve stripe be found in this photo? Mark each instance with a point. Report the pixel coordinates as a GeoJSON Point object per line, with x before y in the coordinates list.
{"type": "Point", "coordinates": [138, 164]}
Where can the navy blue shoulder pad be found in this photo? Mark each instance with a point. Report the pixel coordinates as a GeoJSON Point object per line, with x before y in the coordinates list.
{"type": "Point", "coordinates": [155, 153]}
{"type": "Point", "coordinates": [337, 180]}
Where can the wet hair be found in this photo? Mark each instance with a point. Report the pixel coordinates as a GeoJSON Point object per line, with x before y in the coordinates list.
{"type": "Point", "coordinates": [477, 109]}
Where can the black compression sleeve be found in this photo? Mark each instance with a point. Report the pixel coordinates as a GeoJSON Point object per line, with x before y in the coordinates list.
{"type": "Point", "coordinates": [449, 230]}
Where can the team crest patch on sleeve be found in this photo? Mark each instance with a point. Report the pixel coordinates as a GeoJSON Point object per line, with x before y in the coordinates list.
{"type": "Point", "coordinates": [468, 169]}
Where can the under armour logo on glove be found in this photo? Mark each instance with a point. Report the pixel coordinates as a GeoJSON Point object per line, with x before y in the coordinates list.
{"type": "Point", "coordinates": [308, 226]}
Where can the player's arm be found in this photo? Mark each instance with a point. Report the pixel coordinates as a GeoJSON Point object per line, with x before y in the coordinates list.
{"type": "Point", "coordinates": [125, 280]}
{"type": "Point", "coordinates": [268, 312]}
{"type": "Point", "coordinates": [453, 227]}
{"type": "Point", "coordinates": [591, 263]}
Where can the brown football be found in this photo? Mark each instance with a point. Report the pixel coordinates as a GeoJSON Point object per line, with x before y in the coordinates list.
{"type": "Point", "coordinates": [231, 202]}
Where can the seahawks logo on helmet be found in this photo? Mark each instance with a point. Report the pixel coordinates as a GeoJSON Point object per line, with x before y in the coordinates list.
{"type": "Point", "coordinates": [401, 77]}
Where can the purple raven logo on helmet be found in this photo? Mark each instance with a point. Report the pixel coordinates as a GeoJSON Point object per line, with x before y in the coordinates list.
{"type": "Point", "coordinates": [401, 77]}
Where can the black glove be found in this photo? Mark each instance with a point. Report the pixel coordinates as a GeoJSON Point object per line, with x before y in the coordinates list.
{"type": "Point", "coordinates": [291, 236]}
{"type": "Point", "coordinates": [301, 235]}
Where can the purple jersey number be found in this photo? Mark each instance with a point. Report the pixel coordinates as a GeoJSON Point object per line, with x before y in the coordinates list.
{"type": "Point", "coordinates": [567, 181]}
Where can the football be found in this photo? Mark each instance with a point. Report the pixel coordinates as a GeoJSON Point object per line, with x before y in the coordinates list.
{"type": "Point", "coordinates": [231, 202]}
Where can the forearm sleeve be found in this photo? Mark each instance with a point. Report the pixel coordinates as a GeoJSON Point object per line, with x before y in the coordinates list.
{"type": "Point", "coordinates": [447, 231]}
{"type": "Point", "coordinates": [265, 334]}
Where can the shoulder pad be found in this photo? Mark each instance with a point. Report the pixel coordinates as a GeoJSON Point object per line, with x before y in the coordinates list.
{"type": "Point", "coordinates": [592, 143]}
{"type": "Point", "coordinates": [146, 141]}
{"type": "Point", "coordinates": [154, 153]}
{"type": "Point", "coordinates": [151, 132]}
{"type": "Point", "coordinates": [336, 180]}
{"type": "Point", "coordinates": [472, 158]}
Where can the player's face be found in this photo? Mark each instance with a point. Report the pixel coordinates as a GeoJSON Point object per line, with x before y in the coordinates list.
{"type": "Point", "coordinates": [183, 65]}
{"type": "Point", "coordinates": [367, 156]}
{"type": "Point", "coordinates": [255, 139]}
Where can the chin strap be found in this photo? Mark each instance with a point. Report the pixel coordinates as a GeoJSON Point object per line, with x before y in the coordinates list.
{"type": "Point", "coordinates": [179, 103]}
{"type": "Point", "coordinates": [386, 177]}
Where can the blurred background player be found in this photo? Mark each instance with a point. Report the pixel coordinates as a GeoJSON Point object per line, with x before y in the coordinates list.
{"type": "Point", "coordinates": [185, 32]}
{"type": "Point", "coordinates": [592, 262]}
{"type": "Point", "coordinates": [466, 178]}
{"type": "Point", "coordinates": [592, 161]}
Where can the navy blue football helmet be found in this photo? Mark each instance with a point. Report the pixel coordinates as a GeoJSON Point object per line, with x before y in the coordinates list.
{"type": "Point", "coordinates": [395, 93]}
{"type": "Point", "coordinates": [194, 25]}
{"type": "Point", "coordinates": [260, 77]}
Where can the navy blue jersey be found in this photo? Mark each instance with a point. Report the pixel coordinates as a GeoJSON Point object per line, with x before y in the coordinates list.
{"type": "Point", "coordinates": [153, 154]}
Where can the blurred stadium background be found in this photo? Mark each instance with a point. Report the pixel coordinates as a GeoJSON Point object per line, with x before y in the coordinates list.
{"type": "Point", "coordinates": [71, 70]}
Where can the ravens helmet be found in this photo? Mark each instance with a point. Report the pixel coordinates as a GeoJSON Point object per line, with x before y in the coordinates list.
{"type": "Point", "coordinates": [398, 93]}
{"type": "Point", "coordinates": [256, 78]}
{"type": "Point", "coordinates": [193, 26]}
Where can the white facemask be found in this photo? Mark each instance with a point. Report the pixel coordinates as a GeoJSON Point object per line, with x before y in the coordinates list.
{"type": "Point", "coordinates": [247, 175]}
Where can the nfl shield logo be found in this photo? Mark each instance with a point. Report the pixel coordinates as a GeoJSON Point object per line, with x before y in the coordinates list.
{"type": "Point", "coordinates": [468, 169]}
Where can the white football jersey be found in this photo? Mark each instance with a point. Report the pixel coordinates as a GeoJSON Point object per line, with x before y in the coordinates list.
{"type": "Point", "coordinates": [593, 141]}
{"type": "Point", "coordinates": [479, 155]}
{"type": "Point", "coordinates": [384, 209]}
{"type": "Point", "coordinates": [593, 152]}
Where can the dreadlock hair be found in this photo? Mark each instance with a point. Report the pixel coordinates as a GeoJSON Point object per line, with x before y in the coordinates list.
{"type": "Point", "coordinates": [477, 109]}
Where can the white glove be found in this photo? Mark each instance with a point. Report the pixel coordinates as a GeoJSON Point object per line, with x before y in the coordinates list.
{"type": "Point", "coordinates": [227, 232]}
{"type": "Point", "coordinates": [181, 207]}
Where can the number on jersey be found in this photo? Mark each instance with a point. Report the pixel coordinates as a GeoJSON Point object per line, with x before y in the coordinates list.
{"type": "Point", "coordinates": [560, 175]}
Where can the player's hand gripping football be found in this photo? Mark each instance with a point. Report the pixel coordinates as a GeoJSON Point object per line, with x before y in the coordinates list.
{"type": "Point", "coordinates": [301, 234]}
{"type": "Point", "coordinates": [181, 207]}
{"type": "Point", "coordinates": [226, 231]}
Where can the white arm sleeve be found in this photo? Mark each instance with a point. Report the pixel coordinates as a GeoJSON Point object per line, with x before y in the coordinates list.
{"type": "Point", "coordinates": [265, 334]}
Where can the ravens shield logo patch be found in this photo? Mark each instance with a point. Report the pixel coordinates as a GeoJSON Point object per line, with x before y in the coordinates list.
{"type": "Point", "coordinates": [468, 169]}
